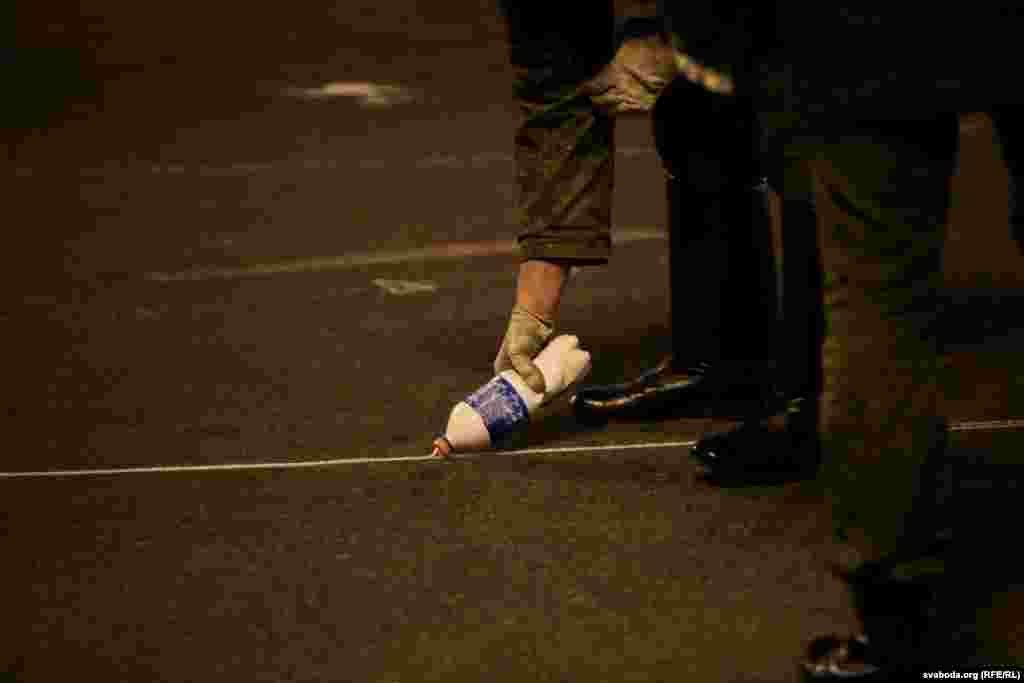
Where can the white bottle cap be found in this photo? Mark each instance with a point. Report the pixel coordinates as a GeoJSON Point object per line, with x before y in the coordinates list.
{"type": "Point", "coordinates": [466, 430]}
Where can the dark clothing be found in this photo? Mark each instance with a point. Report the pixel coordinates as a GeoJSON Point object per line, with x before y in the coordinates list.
{"type": "Point", "coordinates": [564, 151]}
{"type": "Point", "coordinates": [858, 109]}
{"type": "Point", "coordinates": [808, 68]}
{"type": "Point", "coordinates": [863, 105]}
{"type": "Point", "coordinates": [874, 59]}
{"type": "Point", "coordinates": [885, 59]}
{"type": "Point", "coordinates": [721, 273]}
{"type": "Point", "coordinates": [882, 198]}
{"type": "Point", "coordinates": [1009, 123]}
{"type": "Point", "coordinates": [866, 123]}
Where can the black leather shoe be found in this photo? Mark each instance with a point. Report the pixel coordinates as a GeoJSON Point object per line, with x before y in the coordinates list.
{"type": "Point", "coordinates": [761, 452]}
{"type": "Point", "coordinates": [702, 389]}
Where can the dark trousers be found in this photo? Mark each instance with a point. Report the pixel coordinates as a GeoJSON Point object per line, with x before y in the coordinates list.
{"type": "Point", "coordinates": [1010, 127]}
{"type": "Point", "coordinates": [722, 277]}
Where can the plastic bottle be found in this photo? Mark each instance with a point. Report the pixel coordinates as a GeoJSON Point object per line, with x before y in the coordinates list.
{"type": "Point", "coordinates": [503, 406]}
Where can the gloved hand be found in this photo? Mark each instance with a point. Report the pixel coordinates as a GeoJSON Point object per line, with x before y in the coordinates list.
{"type": "Point", "coordinates": [642, 68]}
{"type": "Point", "coordinates": [527, 334]}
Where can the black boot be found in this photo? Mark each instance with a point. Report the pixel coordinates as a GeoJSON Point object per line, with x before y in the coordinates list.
{"type": "Point", "coordinates": [780, 448]}
{"type": "Point", "coordinates": [782, 445]}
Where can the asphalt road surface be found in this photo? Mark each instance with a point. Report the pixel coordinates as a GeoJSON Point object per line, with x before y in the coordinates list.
{"type": "Point", "coordinates": [210, 262]}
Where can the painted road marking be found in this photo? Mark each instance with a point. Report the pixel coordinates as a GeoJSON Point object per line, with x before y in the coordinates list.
{"type": "Point", "coordinates": [334, 462]}
{"type": "Point", "coordinates": [969, 425]}
{"type": "Point", "coordinates": [445, 250]}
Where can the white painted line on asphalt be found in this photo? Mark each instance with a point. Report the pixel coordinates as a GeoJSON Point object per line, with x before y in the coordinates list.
{"type": "Point", "coordinates": [968, 425]}
{"type": "Point", "coordinates": [169, 469]}
{"type": "Point", "coordinates": [444, 250]}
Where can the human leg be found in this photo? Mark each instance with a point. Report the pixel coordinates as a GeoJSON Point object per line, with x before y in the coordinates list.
{"type": "Point", "coordinates": [564, 146]}
{"type": "Point", "coordinates": [781, 443]}
{"type": "Point", "coordinates": [883, 194]}
{"type": "Point", "coordinates": [720, 268]}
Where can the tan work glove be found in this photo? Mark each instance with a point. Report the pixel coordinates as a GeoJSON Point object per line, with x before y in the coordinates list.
{"type": "Point", "coordinates": [527, 334]}
{"type": "Point", "coordinates": [642, 68]}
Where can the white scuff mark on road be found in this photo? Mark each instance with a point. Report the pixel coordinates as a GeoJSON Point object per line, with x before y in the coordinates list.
{"type": "Point", "coordinates": [403, 287]}
{"type": "Point", "coordinates": [367, 94]}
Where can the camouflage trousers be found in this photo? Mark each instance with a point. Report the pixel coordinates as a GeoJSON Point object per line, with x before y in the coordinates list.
{"type": "Point", "coordinates": [564, 146]}
{"type": "Point", "coordinates": [881, 194]}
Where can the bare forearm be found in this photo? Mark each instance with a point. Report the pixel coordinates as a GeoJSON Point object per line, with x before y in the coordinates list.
{"type": "Point", "coordinates": [539, 286]}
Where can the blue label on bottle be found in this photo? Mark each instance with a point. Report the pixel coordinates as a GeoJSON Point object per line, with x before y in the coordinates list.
{"type": "Point", "coordinates": [502, 408]}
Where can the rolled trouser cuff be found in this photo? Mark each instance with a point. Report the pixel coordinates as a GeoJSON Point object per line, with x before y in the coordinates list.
{"type": "Point", "coordinates": [580, 246]}
{"type": "Point", "coordinates": [565, 164]}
